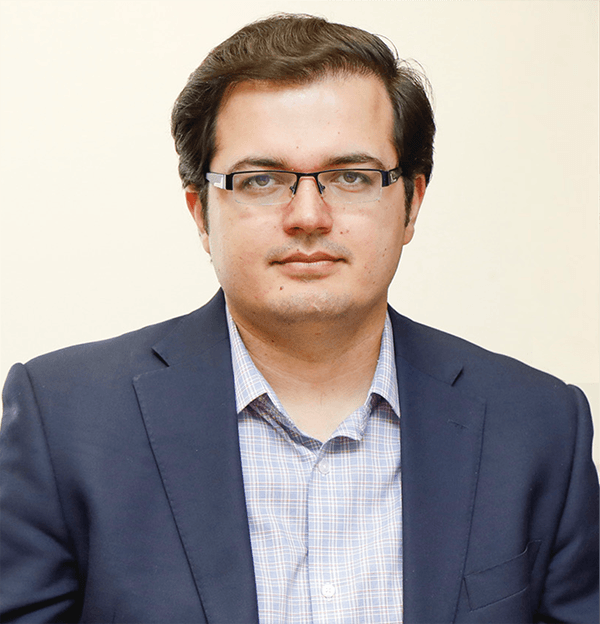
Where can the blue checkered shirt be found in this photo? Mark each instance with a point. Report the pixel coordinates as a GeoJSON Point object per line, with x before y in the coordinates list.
{"type": "Point", "coordinates": [325, 518]}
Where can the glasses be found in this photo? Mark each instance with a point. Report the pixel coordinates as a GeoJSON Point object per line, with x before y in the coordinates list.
{"type": "Point", "coordinates": [336, 186]}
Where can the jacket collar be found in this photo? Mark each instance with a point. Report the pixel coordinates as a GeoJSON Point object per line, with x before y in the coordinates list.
{"type": "Point", "coordinates": [200, 331]}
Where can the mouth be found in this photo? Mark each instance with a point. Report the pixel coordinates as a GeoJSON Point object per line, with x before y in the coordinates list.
{"type": "Point", "coordinates": [308, 267]}
{"type": "Point", "coordinates": [313, 258]}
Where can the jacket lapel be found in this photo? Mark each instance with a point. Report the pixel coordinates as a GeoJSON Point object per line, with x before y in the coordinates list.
{"type": "Point", "coordinates": [441, 431]}
{"type": "Point", "coordinates": [189, 413]}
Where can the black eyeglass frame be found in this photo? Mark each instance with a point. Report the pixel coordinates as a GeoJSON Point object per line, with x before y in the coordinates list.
{"type": "Point", "coordinates": [225, 180]}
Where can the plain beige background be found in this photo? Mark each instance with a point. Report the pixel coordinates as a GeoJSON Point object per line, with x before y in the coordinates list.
{"type": "Point", "coordinates": [96, 239]}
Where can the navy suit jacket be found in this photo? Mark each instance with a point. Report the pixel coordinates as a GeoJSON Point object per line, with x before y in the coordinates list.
{"type": "Point", "coordinates": [123, 495]}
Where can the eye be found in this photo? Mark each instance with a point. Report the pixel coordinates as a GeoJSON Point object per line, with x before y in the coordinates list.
{"type": "Point", "coordinates": [351, 179]}
{"type": "Point", "coordinates": [261, 180]}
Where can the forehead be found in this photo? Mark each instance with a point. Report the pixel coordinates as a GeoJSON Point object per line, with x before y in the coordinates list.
{"type": "Point", "coordinates": [304, 126]}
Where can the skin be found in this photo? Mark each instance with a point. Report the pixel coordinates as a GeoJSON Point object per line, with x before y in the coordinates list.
{"type": "Point", "coordinates": [307, 283]}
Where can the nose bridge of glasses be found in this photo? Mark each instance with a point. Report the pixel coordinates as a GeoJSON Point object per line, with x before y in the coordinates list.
{"type": "Point", "coordinates": [315, 176]}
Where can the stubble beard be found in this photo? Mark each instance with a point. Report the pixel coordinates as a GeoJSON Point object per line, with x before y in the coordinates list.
{"type": "Point", "coordinates": [313, 308]}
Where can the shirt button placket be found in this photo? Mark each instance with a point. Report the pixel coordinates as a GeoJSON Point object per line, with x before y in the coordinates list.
{"type": "Point", "coordinates": [320, 535]}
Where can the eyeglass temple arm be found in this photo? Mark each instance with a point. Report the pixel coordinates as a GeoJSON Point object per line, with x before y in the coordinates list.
{"type": "Point", "coordinates": [220, 180]}
{"type": "Point", "coordinates": [391, 176]}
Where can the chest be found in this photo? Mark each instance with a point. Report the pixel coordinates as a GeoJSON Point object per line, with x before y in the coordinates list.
{"type": "Point", "coordinates": [325, 522]}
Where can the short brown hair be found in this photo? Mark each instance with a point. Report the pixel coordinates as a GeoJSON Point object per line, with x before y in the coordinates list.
{"type": "Point", "coordinates": [297, 49]}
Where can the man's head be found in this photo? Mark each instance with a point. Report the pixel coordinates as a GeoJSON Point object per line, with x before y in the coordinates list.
{"type": "Point", "coordinates": [299, 49]}
{"type": "Point", "coordinates": [296, 94]}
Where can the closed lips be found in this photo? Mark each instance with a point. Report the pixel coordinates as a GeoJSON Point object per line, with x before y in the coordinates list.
{"type": "Point", "coordinates": [308, 258]}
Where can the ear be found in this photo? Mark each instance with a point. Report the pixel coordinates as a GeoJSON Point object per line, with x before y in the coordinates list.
{"type": "Point", "coordinates": [192, 199]}
{"type": "Point", "coordinates": [417, 199]}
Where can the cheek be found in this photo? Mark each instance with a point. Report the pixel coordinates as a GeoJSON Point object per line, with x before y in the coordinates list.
{"type": "Point", "coordinates": [238, 248]}
{"type": "Point", "coordinates": [381, 247]}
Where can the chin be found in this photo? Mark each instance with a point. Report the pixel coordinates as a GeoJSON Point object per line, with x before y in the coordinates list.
{"type": "Point", "coordinates": [317, 306]}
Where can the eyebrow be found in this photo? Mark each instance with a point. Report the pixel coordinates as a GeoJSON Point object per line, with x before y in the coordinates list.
{"type": "Point", "coordinates": [355, 158]}
{"type": "Point", "coordinates": [263, 163]}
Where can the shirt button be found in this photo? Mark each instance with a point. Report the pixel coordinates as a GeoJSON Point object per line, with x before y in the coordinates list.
{"type": "Point", "coordinates": [324, 467]}
{"type": "Point", "coordinates": [328, 590]}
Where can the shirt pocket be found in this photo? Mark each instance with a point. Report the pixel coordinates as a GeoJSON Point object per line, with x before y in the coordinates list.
{"type": "Point", "coordinates": [501, 581]}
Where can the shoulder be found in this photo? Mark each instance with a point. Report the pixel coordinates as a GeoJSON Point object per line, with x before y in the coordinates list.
{"type": "Point", "coordinates": [101, 359]}
{"type": "Point", "coordinates": [496, 378]}
{"type": "Point", "coordinates": [133, 353]}
{"type": "Point", "coordinates": [532, 422]}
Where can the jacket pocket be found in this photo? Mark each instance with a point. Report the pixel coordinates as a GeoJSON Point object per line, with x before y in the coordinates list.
{"type": "Point", "coordinates": [501, 581]}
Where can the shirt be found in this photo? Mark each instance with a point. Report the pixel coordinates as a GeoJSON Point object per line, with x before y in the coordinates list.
{"type": "Point", "coordinates": [325, 518]}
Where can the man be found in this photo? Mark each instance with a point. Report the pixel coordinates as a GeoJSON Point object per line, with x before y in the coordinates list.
{"type": "Point", "coordinates": [296, 451]}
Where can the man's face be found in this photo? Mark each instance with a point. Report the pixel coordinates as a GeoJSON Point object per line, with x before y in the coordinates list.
{"type": "Point", "coordinates": [306, 259]}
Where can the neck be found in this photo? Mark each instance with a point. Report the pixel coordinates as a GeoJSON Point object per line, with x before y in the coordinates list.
{"type": "Point", "coordinates": [321, 370]}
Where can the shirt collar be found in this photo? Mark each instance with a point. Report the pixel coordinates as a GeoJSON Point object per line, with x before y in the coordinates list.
{"type": "Point", "coordinates": [385, 379]}
{"type": "Point", "coordinates": [250, 383]}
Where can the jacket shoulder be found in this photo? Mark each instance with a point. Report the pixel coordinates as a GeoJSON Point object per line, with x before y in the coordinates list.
{"type": "Point", "coordinates": [475, 369]}
{"type": "Point", "coordinates": [123, 354]}
{"type": "Point", "coordinates": [137, 351]}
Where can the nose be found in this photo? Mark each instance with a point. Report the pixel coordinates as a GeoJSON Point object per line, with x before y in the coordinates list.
{"type": "Point", "coordinates": [307, 212]}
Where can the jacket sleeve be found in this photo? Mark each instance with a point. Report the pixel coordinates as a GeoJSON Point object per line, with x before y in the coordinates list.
{"type": "Point", "coordinates": [39, 576]}
{"type": "Point", "coordinates": [571, 586]}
